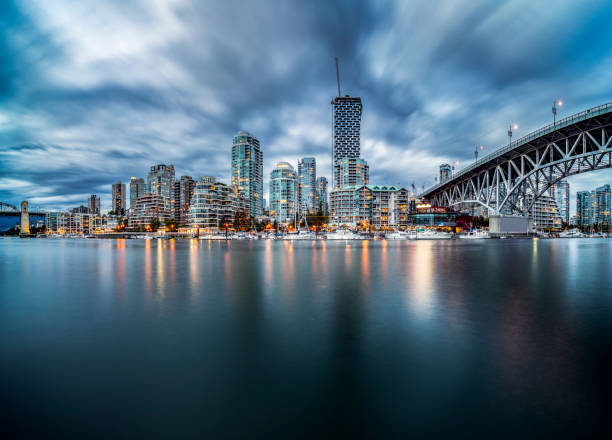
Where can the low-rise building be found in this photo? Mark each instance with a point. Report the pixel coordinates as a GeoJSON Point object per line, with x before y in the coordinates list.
{"type": "Point", "coordinates": [214, 205]}
{"type": "Point", "coordinates": [62, 222]}
{"type": "Point", "coordinates": [382, 206]}
{"type": "Point", "coordinates": [148, 207]}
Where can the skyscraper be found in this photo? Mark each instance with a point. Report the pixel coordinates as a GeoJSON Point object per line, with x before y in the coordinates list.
{"type": "Point", "coordinates": [601, 210]}
{"type": "Point", "coordinates": [118, 198]}
{"type": "Point", "coordinates": [283, 193]}
{"type": "Point", "coordinates": [584, 209]}
{"type": "Point", "coordinates": [321, 204]}
{"type": "Point", "coordinates": [182, 194]}
{"type": "Point", "coordinates": [137, 189]}
{"type": "Point", "coordinates": [446, 172]}
{"type": "Point", "coordinates": [350, 171]}
{"type": "Point", "coordinates": [346, 129]}
{"type": "Point", "coordinates": [247, 171]}
{"type": "Point", "coordinates": [160, 181]}
{"type": "Point", "coordinates": [307, 179]}
{"type": "Point", "coordinates": [561, 194]}
{"type": "Point", "coordinates": [93, 204]}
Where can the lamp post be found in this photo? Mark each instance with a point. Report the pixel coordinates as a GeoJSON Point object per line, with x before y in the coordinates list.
{"type": "Point", "coordinates": [476, 153]}
{"type": "Point", "coordinates": [510, 128]}
{"type": "Point", "coordinates": [557, 103]}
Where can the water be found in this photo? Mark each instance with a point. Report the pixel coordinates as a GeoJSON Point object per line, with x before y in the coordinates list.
{"type": "Point", "coordinates": [187, 339]}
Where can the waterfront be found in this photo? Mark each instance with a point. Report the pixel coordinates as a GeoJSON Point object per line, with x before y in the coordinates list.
{"type": "Point", "coordinates": [169, 338]}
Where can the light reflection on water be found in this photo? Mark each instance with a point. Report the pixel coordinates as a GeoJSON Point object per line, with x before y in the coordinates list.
{"type": "Point", "coordinates": [431, 338]}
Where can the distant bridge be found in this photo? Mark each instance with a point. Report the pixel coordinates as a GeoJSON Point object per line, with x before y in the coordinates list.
{"type": "Point", "coordinates": [8, 210]}
{"type": "Point", "coordinates": [511, 179]}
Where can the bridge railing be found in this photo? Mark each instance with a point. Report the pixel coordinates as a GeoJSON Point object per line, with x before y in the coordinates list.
{"type": "Point", "coordinates": [595, 111]}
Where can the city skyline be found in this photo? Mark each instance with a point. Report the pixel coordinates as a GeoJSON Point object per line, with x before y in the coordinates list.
{"type": "Point", "coordinates": [97, 115]}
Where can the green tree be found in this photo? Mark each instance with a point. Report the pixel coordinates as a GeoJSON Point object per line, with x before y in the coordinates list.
{"type": "Point", "coordinates": [317, 220]}
{"type": "Point", "coordinates": [242, 221]}
{"type": "Point", "coordinates": [154, 224]}
{"type": "Point", "coordinates": [170, 224]}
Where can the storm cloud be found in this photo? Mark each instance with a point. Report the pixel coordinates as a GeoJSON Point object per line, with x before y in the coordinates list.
{"type": "Point", "coordinates": [96, 92]}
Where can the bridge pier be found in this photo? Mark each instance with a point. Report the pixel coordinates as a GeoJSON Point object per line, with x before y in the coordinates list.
{"type": "Point", "coordinates": [25, 219]}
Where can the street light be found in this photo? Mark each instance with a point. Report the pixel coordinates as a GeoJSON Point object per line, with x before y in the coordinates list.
{"type": "Point", "coordinates": [476, 152]}
{"type": "Point", "coordinates": [557, 103]}
{"type": "Point", "coordinates": [512, 127]}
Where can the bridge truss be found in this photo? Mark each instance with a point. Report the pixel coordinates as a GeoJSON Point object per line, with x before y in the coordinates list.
{"type": "Point", "coordinates": [510, 180]}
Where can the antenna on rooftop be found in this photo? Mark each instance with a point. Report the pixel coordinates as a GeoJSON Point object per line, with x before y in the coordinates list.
{"type": "Point", "coordinates": [338, 77]}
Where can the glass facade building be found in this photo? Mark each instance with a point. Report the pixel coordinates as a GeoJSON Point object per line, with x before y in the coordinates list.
{"type": "Point", "coordinates": [160, 181]}
{"type": "Point", "coordinates": [283, 193]}
{"type": "Point", "coordinates": [584, 209]}
{"type": "Point", "coordinates": [182, 192]}
{"type": "Point", "coordinates": [561, 193]}
{"type": "Point", "coordinates": [446, 172]}
{"type": "Point", "coordinates": [247, 171]}
{"type": "Point", "coordinates": [307, 181]}
{"type": "Point", "coordinates": [118, 198]}
{"type": "Point", "coordinates": [137, 189]}
{"type": "Point", "coordinates": [601, 209]}
{"type": "Point", "coordinates": [351, 171]}
{"type": "Point", "coordinates": [321, 195]}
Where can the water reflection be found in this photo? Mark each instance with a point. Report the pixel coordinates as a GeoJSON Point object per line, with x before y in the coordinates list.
{"type": "Point", "coordinates": [194, 274]}
{"type": "Point", "coordinates": [421, 291]}
{"type": "Point", "coordinates": [365, 264]}
{"type": "Point", "coordinates": [120, 267]}
{"type": "Point", "coordinates": [159, 267]}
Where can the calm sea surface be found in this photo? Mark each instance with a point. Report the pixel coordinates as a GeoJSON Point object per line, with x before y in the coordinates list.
{"type": "Point", "coordinates": [263, 339]}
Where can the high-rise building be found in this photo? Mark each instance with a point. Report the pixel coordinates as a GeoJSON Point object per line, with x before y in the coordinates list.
{"type": "Point", "coordinates": [346, 134]}
{"type": "Point", "coordinates": [137, 189]}
{"type": "Point", "coordinates": [160, 181]}
{"type": "Point", "coordinates": [584, 208]}
{"type": "Point", "coordinates": [118, 198]}
{"type": "Point", "coordinates": [561, 194]}
{"type": "Point", "coordinates": [321, 203]}
{"type": "Point", "coordinates": [307, 179]}
{"type": "Point", "coordinates": [446, 172]}
{"type": "Point", "coordinates": [93, 204]}
{"type": "Point", "coordinates": [213, 205]}
{"type": "Point", "coordinates": [247, 171]}
{"type": "Point", "coordinates": [182, 192]}
{"type": "Point", "coordinates": [283, 193]}
{"type": "Point", "coordinates": [601, 209]}
{"type": "Point", "coordinates": [351, 171]}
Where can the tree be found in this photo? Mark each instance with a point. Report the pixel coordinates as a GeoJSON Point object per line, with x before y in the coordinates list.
{"type": "Point", "coordinates": [317, 220]}
{"type": "Point", "coordinates": [242, 221]}
{"type": "Point", "coordinates": [154, 224]}
{"type": "Point", "coordinates": [170, 224]}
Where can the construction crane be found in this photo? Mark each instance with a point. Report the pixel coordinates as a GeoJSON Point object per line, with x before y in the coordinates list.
{"type": "Point", "coordinates": [338, 77]}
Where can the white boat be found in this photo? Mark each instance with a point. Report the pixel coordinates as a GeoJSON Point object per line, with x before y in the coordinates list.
{"type": "Point", "coordinates": [398, 235]}
{"type": "Point", "coordinates": [431, 234]}
{"type": "Point", "coordinates": [343, 234]}
{"type": "Point", "coordinates": [299, 235]}
{"type": "Point", "coordinates": [213, 237]}
{"type": "Point", "coordinates": [474, 235]}
{"type": "Point", "coordinates": [571, 233]}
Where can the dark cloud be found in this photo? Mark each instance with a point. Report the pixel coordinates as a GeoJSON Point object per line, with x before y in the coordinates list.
{"type": "Point", "coordinates": [92, 95]}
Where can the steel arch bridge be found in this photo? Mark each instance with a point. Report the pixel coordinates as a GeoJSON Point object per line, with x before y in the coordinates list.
{"type": "Point", "coordinates": [511, 179]}
{"type": "Point", "coordinates": [6, 207]}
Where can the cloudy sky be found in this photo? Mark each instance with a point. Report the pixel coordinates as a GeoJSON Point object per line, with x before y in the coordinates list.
{"type": "Point", "coordinates": [93, 92]}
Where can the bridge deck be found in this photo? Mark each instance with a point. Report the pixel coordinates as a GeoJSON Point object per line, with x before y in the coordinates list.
{"type": "Point", "coordinates": [516, 145]}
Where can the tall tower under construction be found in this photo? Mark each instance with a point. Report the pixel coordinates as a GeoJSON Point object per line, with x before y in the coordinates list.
{"type": "Point", "coordinates": [346, 128]}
